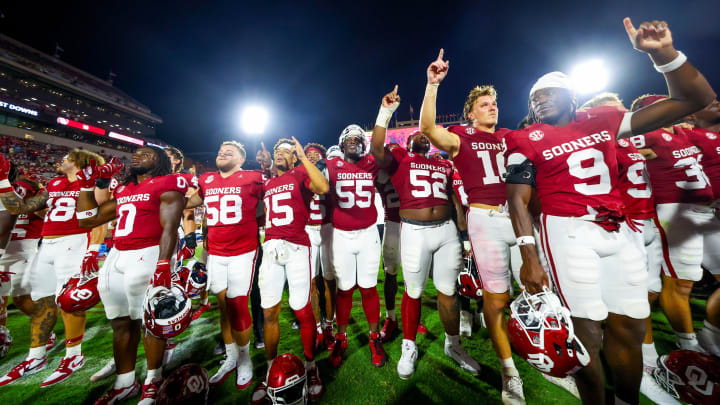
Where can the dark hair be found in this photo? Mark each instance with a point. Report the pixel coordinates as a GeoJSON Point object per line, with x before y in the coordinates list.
{"type": "Point", "coordinates": [163, 167]}
{"type": "Point", "coordinates": [317, 146]}
{"type": "Point", "coordinates": [13, 173]}
{"type": "Point", "coordinates": [177, 154]}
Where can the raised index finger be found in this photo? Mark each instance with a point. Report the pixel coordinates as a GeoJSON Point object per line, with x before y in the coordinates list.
{"type": "Point", "coordinates": [262, 144]}
{"type": "Point", "coordinates": [441, 54]}
{"type": "Point", "coordinates": [395, 89]}
{"type": "Point", "coordinates": [629, 28]}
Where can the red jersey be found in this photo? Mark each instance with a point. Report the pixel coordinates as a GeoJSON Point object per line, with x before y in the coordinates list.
{"type": "Point", "coordinates": [138, 210]}
{"type": "Point", "coordinates": [317, 210]}
{"type": "Point", "coordinates": [459, 189]}
{"type": "Point", "coordinates": [27, 226]}
{"type": "Point", "coordinates": [60, 218]}
{"type": "Point", "coordinates": [390, 197]}
{"type": "Point", "coordinates": [230, 209]}
{"type": "Point", "coordinates": [352, 192]}
{"type": "Point", "coordinates": [709, 142]}
{"type": "Point", "coordinates": [287, 200]}
{"type": "Point", "coordinates": [481, 164]}
{"type": "Point", "coordinates": [421, 182]}
{"type": "Point", "coordinates": [675, 174]}
{"type": "Point", "coordinates": [634, 182]}
{"type": "Point", "coordinates": [191, 179]}
{"type": "Point", "coordinates": [576, 164]}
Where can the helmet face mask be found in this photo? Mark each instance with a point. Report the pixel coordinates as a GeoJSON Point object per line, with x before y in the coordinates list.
{"type": "Point", "coordinates": [167, 312]}
{"type": "Point", "coordinates": [353, 132]}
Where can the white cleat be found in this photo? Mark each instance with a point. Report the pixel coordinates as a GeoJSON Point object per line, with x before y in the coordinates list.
{"type": "Point", "coordinates": [244, 371]}
{"type": "Point", "coordinates": [650, 388]}
{"type": "Point", "coordinates": [512, 392]}
{"type": "Point", "coordinates": [105, 372]}
{"type": "Point", "coordinates": [226, 368]}
{"type": "Point", "coordinates": [465, 323]}
{"type": "Point", "coordinates": [461, 357]}
{"type": "Point", "coordinates": [567, 383]}
{"type": "Point", "coordinates": [406, 365]}
{"type": "Point", "coordinates": [709, 339]}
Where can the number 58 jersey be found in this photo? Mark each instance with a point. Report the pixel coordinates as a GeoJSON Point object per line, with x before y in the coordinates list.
{"type": "Point", "coordinates": [230, 210]}
{"type": "Point", "coordinates": [138, 210]}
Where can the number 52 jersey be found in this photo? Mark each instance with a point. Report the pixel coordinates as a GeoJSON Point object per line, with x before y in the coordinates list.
{"type": "Point", "coordinates": [230, 209]}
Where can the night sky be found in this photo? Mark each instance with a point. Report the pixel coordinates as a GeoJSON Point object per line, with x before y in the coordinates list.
{"type": "Point", "coordinates": [319, 66]}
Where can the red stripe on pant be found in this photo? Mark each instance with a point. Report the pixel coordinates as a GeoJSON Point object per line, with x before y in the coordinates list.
{"type": "Point", "coordinates": [546, 245]}
{"type": "Point", "coordinates": [410, 311]}
{"type": "Point", "coordinates": [665, 248]}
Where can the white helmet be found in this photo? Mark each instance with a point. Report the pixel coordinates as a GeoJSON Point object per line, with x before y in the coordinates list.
{"type": "Point", "coordinates": [334, 152]}
{"type": "Point", "coordinates": [351, 131]}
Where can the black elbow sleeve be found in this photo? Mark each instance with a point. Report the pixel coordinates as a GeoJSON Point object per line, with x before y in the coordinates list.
{"type": "Point", "coordinates": [523, 173]}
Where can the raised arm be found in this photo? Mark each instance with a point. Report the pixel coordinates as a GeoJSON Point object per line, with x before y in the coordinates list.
{"type": "Point", "coordinates": [89, 213]}
{"type": "Point", "coordinates": [388, 105]}
{"type": "Point", "coordinates": [440, 137]}
{"type": "Point", "coordinates": [688, 89]}
{"type": "Point", "coordinates": [318, 182]}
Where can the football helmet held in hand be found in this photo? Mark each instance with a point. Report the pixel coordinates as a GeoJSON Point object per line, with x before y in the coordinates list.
{"type": "Point", "coordinates": [166, 311]}
{"type": "Point", "coordinates": [78, 293]}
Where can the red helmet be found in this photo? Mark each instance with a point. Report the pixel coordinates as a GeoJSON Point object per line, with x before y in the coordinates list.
{"type": "Point", "coordinates": [286, 380]}
{"type": "Point", "coordinates": [690, 376]}
{"type": "Point", "coordinates": [189, 384]}
{"type": "Point", "coordinates": [78, 293]}
{"type": "Point", "coordinates": [167, 312]}
{"type": "Point", "coordinates": [541, 332]}
{"type": "Point", "coordinates": [197, 278]}
{"type": "Point", "coordinates": [469, 283]}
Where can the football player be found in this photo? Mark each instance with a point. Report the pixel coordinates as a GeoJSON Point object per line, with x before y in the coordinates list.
{"type": "Point", "coordinates": [356, 241]}
{"type": "Point", "coordinates": [61, 254]}
{"type": "Point", "coordinates": [233, 199]}
{"type": "Point", "coordinates": [148, 205]}
{"type": "Point", "coordinates": [428, 236]}
{"type": "Point", "coordinates": [477, 150]}
{"type": "Point", "coordinates": [286, 254]}
{"type": "Point", "coordinates": [570, 159]}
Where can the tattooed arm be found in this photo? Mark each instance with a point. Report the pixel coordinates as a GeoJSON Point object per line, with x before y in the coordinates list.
{"type": "Point", "coordinates": [15, 205]}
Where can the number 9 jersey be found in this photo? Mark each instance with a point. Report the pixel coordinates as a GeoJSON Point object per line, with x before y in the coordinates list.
{"type": "Point", "coordinates": [138, 210]}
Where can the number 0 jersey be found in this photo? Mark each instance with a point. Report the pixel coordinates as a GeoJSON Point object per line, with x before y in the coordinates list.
{"type": "Point", "coordinates": [352, 192]}
{"type": "Point", "coordinates": [60, 218]}
{"type": "Point", "coordinates": [576, 164]}
{"type": "Point", "coordinates": [230, 209]}
{"type": "Point", "coordinates": [138, 210]}
{"type": "Point", "coordinates": [421, 182]}
{"type": "Point", "coordinates": [287, 206]}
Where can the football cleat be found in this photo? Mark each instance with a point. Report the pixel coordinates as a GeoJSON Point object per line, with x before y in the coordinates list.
{"type": "Point", "coordinates": [315, 387]}
{"type": "Point", "coordinates": [461, 357]}
{"type": "Point", "coordinates": [114, 395]}
{"type": "Point", "coordinates": [259, 395]}
{"type": "Point", "coordinates": [406, 365]}
{"type": "Point", "coordinates": [379, 357]}
{"type": "Point", "coordinates": [200, 311]}
{"type": "Point", "coordinates": [422, 329]}
{"type": "Point", "coordinates": [328, 335]}
{"type": "Point", "coordinates": [5, 340]}
{"type": "Point", "coordinates": [68, 365]}
{"type": "Point", "coordinates": [51, 342]}
{"type": "Point", "coordinates": [709, 339]}
{"type": "Point", "coordinates": [567, 383]}
{"type": "Point", "coordinates": [186, 385]}
{"type": "Point", "coordinates": [286, 381]}
{"type": "Point", "coordinates": [541, 332]}
{"type": "Point", "coordinates": [244, 376]}
{"type": "Point", "coordinates": [106, 371]}
{"type": "Point", "coordinates": [338, 348]}
{"type": "Point", "coordinates": [149, 392]}
{"type": "Point", "coordinates": [388, 330]}
{"type": "Point", "coordinates": [465, 323]}
{"type": "Point", "coordinates": [226, 368]}
{"type": "Point", "coordinates": [650, 388]}
{"type": "Point", "coordinates": [512, 391]}
{"type": "Point", "coordinates": [26, 367]}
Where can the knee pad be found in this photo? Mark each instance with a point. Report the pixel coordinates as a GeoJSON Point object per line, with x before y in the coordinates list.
{"type": "Point", "coordinates": [238, 313]}
{"type": "Point", "coordinates": [636, 309]}
{"type": "Point", "coordinates": [414, 291]}
{"type": "Point", "coordinates": [583, 267]}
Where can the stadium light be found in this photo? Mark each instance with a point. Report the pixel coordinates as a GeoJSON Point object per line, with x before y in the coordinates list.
{"type": "Point", "coordinates": [254, 119]}
{"type": "Point", "coordinates": [590, 76]}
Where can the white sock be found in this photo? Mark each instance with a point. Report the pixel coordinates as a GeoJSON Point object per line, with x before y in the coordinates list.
{"type": "Point", "coordinates": [204, 301]}
{"type": "Point", "coordinates": [712, 328]}
{"type": "Point", "coordinates": [507, 364]}
{"type": "Point", "coordinates": [689, 338]}
{"type": "Point", "coordinates": [391, 314]}
{"type": "Point", "coordinates": [73, 351]}
{"type": "Point", "coordinates": [452, 340]}
{"type": "Point", "coordinates": [243, 351]}
{"type": "Point", "coordinates": [124, 380]}
{"type": "Point", "coordinates": [318, 326]}
{"type": "Point", "coordinates": [649, 354]}
{"type": "Point", "coordinates": [231, 350]}
{"type": "Point", "coordinates": [309, 364]}
{"type": "Point", "coordinates": [153, 374]}
{"type": "Point", "coordinates": [37, 352]}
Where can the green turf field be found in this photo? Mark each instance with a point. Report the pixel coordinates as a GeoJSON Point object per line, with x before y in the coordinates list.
{"type": "Point", "coordinates": [437, 379]}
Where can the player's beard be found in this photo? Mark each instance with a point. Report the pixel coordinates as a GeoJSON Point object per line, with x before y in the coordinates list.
{"type": "Point", "coordinates": [353, 155]}
{"type": "Point", "coordinates": [224, 168]}
{"type": "Point", "coordinates": [139, 170]}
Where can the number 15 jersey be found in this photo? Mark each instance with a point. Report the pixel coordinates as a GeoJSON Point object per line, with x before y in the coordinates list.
{"type": "Point", "coordinates": [230, 209]}
{"type": "Point", "coordinates": [287, 206]}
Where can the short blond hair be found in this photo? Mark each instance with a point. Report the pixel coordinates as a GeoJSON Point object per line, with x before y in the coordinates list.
{"type": "Point", "coordinates": [476, 93]}
{"type": "Point", "coordinates": [600, 100]}
{"type": "Point", "coordinates": [237, 145]}
{"type": "Point", "coordinates": [81, 158]}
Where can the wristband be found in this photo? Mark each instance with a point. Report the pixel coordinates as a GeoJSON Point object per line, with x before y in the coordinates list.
{"type": "Point", "coordinates": [466, 246]}
{"type": "Point", "coordinates": [525, 240]}
{"type": "Point", "coordinates": [673, 64]}
{"type": "Point", "coordinates": [87, 188]}
{"type": "Point", "coordinates": [384, 115]}
{"type": "Point", "coordinates": [86, 214]}
{"type": "Point", "coordinates": [163, 263]}
{"type": "Point", "coordinates": [95, 247]}
{"type": "Point", "coordinates": [5, 186]}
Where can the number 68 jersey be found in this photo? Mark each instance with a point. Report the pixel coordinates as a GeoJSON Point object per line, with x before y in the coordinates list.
{"type": "Point", "coordinates": [138, 210]}
{"type": "Point", "coordinates": [230, 209]}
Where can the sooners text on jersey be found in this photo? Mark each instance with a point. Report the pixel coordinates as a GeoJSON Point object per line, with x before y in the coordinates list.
{"type": "Point", "coordinates": [230, 209]}
{"type": "Point", "coordinates": [138, 210]}
{"type": "Point", "coordinates": [709, 143]}
{"type": "Point", "coordinates": [421, 182]}
{"type": "Point", "coordinates": [460, 189]}
{"type": "Point", "coordinates": [287, 200]}
{"type": "Point", "coordinates": [352, 192]}
{"type": "Point", "coordinates": [481, 164]}
{"type": "Point", "coordinates": [576, 164]}
{"type": "Point", "coordinates": [60, 218]}
{"type": "Point", "coordinates": [634, 182]}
